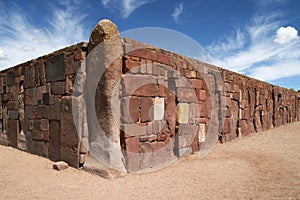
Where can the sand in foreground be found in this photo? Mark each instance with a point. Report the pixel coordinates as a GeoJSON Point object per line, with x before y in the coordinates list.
{"type": "Point", "coordinates": [263, 166]}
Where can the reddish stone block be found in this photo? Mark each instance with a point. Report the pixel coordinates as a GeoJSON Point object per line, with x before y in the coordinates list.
{"type": "Point", "coordinates": [139, 85]}
{"type": "Point", "coordinates": [187, 129]}
{"type": "Point", "coordinates": [186, 95]}
{"type": "Point", "coordinates": [196, 83]}
{"type": "Point", "coordinates": [130, 109]}
{"type": "Point", "coordinates": [156, 69]}
{"type": "Point", "coordinates": [161, 58]}
{"type": "Point", "coordinates": [201, 95]}
{"type": "Point", "coordinates": [203, 109]}
{"type": "Point", "coordinates": [132, 66]}
{"type": "Point", "coordinates": [132, 144]}
{"type": "Point", "coordinates": [135, 129]}
{"type": "Point", "coordinates": [226, 126]}
{"type": "Point", "coordinates": [195, 145]}
{"type": "Point", "coordinates": [156, 146]}
{"type": "Point", "coordinates": [147, 110]}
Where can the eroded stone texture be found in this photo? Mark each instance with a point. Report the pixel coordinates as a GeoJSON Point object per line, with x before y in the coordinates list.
{"type": "Point", "coordinates": [104, 70]}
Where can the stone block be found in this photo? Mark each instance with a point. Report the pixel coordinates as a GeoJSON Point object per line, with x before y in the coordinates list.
{"type": "Point", "coordinates": [147, 110]}
{"type": "Point", "coordinates": [196, 83]}
{"type": "Point", "coordinates": [132, 66]}
{"type": "Point", "coordinates": [139, 85]}
{"type": "Point", "coordinates": [38, 135]}
{"type": "Point", "coordinates": [69, 65]}
{"type": "Point", "coordinates": [41, 112]}
{"type": "Point", "coordinates": [135, 129]}
{"type": "Point", "coordinates": [40, 148]}
{"type": "Point", "coordinates": [69, 84]}
{"type": "Point", "coordinates": [132, 144]}
{"type": "Point", "coordinates": [61, 165]}
{"type": "Point", "coordinates": [226, 126]}
{"type": "Point", "coordinates": [12, 105]}
{"type": "Point", "coordinates": [46, 98]}
{"type": "Point", "coordinates": [44, 125]}
{"type": "Point", "coordinates": [132, 162]}
{"type": "Point", "coordinates": [186, 95]}
{"type": "Point", "coordinates": [55, 69]}
{"type": "Point", "coordinates": [187, 129]}
{"type": "Point", "coordinates": [145, 156]}
{"type": "Point", "coordinates": [183, 113]}
{"type": "Point", "coordinates": [11, 76]}
{"type": "Point", "coordinates": [201, 133]}
{"type": "Point", "coordinates": [69, 139]}
{"type": "Point", "coordinates": [130, 109]}
{"type": "Point", "coordinates": [185, 140]}
{"type": "Point", "coordinates": [184, 151]}
{"type": "Point", "coordinates": [159, 108]}
{"type": "Point", "coordinates": [54, 132]}
{"type": "Point", "coordinates": [40, 78]}
{"type": "Point", "coordinates": [13, 132]}
{"type": "Point", "coordinates": [13, 114]}
{"type": "Point", "coordinates": [54, 109]}
{"type": "Point", "coordinates": [57, 88]}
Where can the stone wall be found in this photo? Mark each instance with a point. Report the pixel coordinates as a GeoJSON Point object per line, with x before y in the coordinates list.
{"type": "Point", "coordinates": [139, 108]}
{"type": "Point", "coordinates": [36, 105]}
{"type": "Point", "coordinates": [168, 103]}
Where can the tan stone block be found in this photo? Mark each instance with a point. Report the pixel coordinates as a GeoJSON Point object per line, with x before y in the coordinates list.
{"type": "Point", "coordinates": [183, 113]}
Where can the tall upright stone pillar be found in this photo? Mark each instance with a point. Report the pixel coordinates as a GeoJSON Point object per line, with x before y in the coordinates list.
{"type": "Point", "coordinates": [104, 71]}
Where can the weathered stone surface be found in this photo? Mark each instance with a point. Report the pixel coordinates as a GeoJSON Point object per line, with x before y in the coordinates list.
{"type": "Point", "coordinates": [147, 109]}
{"type": "Point", "coordinates": [130, 109]}
{"type": "Point", "coordinates": [54, 144]}
{"type": "Point", "coordinates": [69, 140]}
{"type": "Point", "coordinates": [186, 95]}
{"type": "Point", "coordinates": [182, 113]}
{"type": "Point", "coordinates": [105, 43]}
{"type": "Point", "coordinates": [60, 165]}
{"type": "Point", "coordinates": [159, 108]}
{"type": "Point", "coordinates": [134, 129]}
{"type": "Point", "coordinates": [132, 144]}
{"type": "Point", "coordinates": [139, 85]}
{"type": "Point", "coordinates": [57, 88]}
{"type": "Point", "coordinates": [55, 69]}
{"type": "Point", "coordinates": [13, 132]}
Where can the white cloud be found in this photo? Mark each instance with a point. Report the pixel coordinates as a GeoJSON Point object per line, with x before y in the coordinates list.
{"type": "Point", "coordinates": [286, 35]}
{"type": "Point", "coordinates": [23, 41]}
{"type": "Point", "coordinates": [277, 70]}
{"type": "Point", "coordinates": [177, 12]}
{"type": "Point", "coordinates": [28, 48]}
{"type": "Point", "coordinates": [254, 52]}
{"type": "Point", "coordinates": [2, 55]}
{"type": "Point", "coordinates": [126, 7]}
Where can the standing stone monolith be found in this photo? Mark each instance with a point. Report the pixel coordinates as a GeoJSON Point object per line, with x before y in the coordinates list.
{"type": "Point", "coordinates": [104, 71]}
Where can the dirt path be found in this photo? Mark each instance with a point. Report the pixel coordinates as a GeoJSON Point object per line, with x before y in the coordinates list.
{"type": "Point", "coordinates": [262, 166]}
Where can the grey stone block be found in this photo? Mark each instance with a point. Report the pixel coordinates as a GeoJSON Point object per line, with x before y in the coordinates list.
{"type": "Point", "coordinates": [55, 69]}
{"type": "Point", "coordinates": [13, 114]}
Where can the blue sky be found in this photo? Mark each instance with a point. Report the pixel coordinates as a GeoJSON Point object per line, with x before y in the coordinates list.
{"type": "Point", "coordinates": [257, 38]}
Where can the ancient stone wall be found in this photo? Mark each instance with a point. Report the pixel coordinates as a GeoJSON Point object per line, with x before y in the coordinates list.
{"type": "Point", "coordinates": [36, 105]}
{"type": "Point", "coordinates": [117, 105]}
{"type": "Point", "coordinates": [168, 101]}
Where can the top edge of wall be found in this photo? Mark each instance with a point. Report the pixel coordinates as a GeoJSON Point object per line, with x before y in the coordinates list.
{"type": "Point", "coordinates": [80, 45]}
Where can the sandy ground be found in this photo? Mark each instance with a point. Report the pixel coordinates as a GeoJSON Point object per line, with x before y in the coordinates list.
{"type": "Point", "coordinates": [261, 166]}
